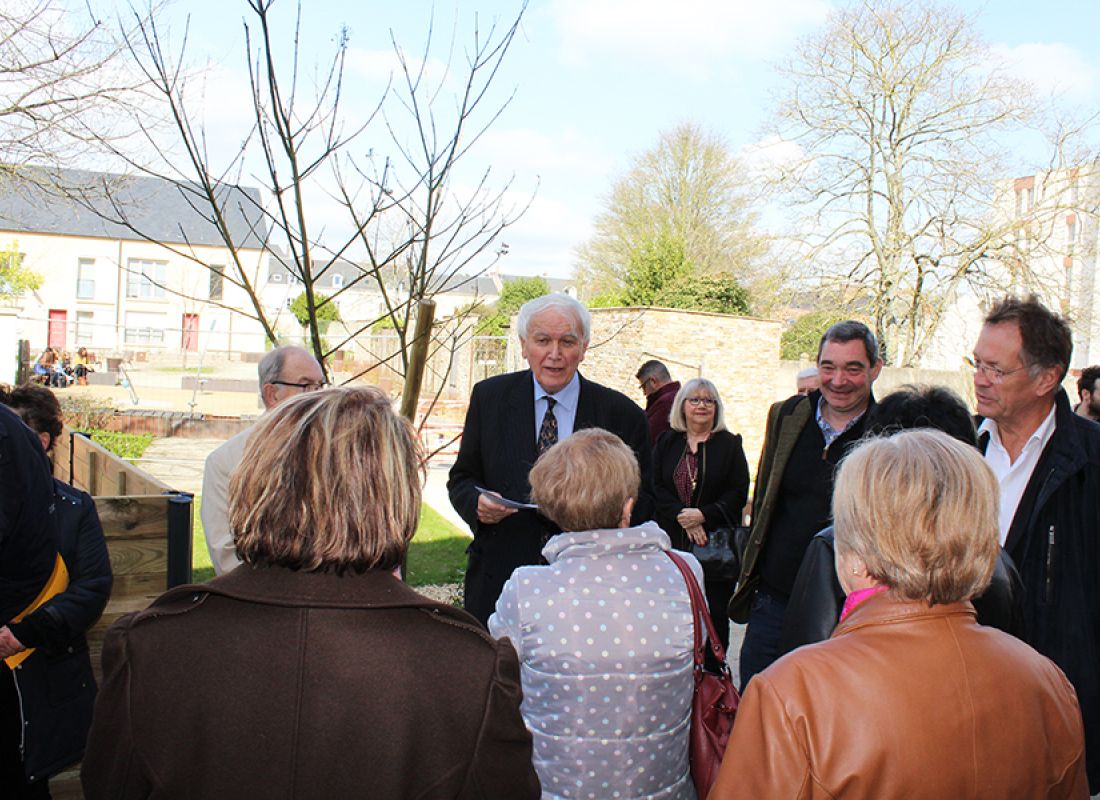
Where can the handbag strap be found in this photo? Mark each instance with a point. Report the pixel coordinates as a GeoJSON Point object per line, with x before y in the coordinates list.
{"type": "Point", "coordinates": [699, 611]}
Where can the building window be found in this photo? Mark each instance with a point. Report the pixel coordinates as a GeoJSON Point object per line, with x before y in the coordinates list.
{"type": "Point", "coordinates": [337, 281]}
{"type": "Point", "coordinates": [10, 261]}
{"type": "Point", "coordinates": [145, 278]}
{"type": "Point", "coordinates": [144, 328]}
{"type": "Point", "coordinates": [276, 278]}
{"type": "Point", "coordinates": [217, 281]}
{"type": "Point", "coordinates": [85, 279]}
{"type": "Point", "coordinates": [84, 324]}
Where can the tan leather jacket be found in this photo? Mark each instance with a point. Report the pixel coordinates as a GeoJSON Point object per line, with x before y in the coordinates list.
{"type": "Point", "coordinates": [907, 701]}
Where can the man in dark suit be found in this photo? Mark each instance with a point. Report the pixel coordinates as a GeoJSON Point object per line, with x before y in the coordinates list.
{"type": "Point", "coordinates": [1047, 462]}
{"type": "Point", "coordinates": [514, 417]}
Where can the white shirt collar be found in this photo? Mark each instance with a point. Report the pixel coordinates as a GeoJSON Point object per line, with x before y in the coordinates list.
{"type": "Point", "coordinates": [1041, 434]}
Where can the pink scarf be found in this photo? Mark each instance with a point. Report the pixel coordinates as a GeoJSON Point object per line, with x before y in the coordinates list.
{"type": "Point", "coordinates": [858, 596]}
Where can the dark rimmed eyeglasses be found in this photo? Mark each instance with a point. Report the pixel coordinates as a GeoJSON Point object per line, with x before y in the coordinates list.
{"type": "Point", "coordinates": [308, 386]}
{"type": "Point", "coordinates": [701, 401]}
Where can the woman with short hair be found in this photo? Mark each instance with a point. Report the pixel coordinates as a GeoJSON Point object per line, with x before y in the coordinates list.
{"type": "Point", "coordinates": [910, 697]}
{"type": "Point", "coordinates": [701, 482]}
{"type": "Point", "coordinates": [312, 670]}
{"type": "Point", "coordinates": [604, 633]}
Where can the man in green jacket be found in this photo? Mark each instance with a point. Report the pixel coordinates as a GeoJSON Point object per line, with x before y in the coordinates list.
{"type": "Point", "coordinates": [805, 440]}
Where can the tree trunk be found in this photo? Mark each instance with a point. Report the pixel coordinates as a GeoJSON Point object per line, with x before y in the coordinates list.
{"type": "Point", "coordinates": [418, 358]}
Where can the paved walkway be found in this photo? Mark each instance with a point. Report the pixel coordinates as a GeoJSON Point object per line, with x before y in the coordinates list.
{"type": "Point", "coordinates": [179, 462]}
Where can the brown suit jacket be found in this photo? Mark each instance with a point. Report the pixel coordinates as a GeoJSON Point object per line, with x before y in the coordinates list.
{"type": "Point", "coordinates": [272, 683]}
{"type": "Point", "coordinates": [907, 701]}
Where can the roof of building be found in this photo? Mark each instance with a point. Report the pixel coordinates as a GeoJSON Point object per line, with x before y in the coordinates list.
{"type": "Point", "coordinates": [481, 285]}
{"type": "Point", "coordinates": [73, 202]}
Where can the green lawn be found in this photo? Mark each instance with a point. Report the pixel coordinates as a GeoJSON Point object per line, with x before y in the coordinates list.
{"type": "Point", "coordinates": [437, 553]}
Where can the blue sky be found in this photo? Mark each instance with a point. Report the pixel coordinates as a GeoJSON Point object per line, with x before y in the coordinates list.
{"type": "Point", "coordinates": [596, 81]}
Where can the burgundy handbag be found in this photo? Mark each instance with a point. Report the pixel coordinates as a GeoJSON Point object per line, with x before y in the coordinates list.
{"type": "Point", "coordinates": [714, 703]}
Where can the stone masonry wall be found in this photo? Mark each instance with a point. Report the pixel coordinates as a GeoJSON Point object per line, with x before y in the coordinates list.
{"type": "Point", "coordinates": [739, 354]}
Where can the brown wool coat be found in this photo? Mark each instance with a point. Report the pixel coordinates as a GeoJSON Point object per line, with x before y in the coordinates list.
{"type": "Point", "coordinates": [279, 684]}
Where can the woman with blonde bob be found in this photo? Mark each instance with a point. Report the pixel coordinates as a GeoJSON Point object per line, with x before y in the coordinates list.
{"type": "Point", "coordinates": [312, 670]}
{"type": "Point", "coordinates": [910, 697]}
{"type": "Point", "coordinates": [603, 632]}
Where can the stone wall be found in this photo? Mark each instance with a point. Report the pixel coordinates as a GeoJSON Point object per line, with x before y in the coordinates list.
{"type": "Point", "coordinates": [740, 354]}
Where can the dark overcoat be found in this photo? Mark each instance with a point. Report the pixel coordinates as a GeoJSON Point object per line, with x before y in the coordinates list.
{"type": "Point", "coordinates": [1054, 540]}
{"type": "Point", "coordinates": [267, 682]}
{"type": "Point", "coordinates": [497, 452]}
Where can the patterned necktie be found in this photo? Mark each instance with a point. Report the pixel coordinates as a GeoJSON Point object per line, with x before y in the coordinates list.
{"type": "Point", "coordinates": [548, 433]}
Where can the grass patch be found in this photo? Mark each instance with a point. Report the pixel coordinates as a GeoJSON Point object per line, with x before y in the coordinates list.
{"type": "Point", "coordinates": [123, 445]}
{"type": "Point", "coordinates": [201, 568]}
{"type": "Point", "coordinates": [437, 553]}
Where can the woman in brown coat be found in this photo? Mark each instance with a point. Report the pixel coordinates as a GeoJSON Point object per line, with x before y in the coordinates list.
{"type": "Point", "coordinates": [312, 671]}
{"type": "Point", "coordinates": [910, 698]}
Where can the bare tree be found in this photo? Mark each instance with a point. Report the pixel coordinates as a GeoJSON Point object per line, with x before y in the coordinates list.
{"type": "Point", "coordinates": [60, 76]}
{"type": "Point", "coordinates": [407, 226]}
{"type": "Point", "coordinates": [900, 114]}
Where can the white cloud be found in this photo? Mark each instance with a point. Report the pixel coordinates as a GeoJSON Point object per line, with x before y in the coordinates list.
{"type": "Point", "coordinates": [770, 153]}
{"type": "Point", "coordinates": [379, 66]}
{"type": "Point", "coordinates": [684, 37]}
{"type": "Point", "coordinates": [545, 238]}
{"type": "Point", "coordinates": [530, 152]}
{"type": "Point", "coordinates": [1053, 68]}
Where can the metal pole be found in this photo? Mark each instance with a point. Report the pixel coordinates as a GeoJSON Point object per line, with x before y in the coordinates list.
{"type": "Point", "coordinates": [180, 513]}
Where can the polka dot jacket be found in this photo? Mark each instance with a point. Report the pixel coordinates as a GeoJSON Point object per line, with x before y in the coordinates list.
{"type": "Point", "coordinates": [604, 636]}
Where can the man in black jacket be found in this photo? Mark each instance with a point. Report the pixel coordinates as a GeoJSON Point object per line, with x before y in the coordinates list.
{"type": "Point", "coordinates": [28, 533]}
{"type": "Point", "coordinates": [511, 420]}
{"type": "Point", "coordinates": [28, 554]}
{"type": "Point", "coordinates": [806, 438]}
{"type": "Point", "coordinates": [1047, 461]}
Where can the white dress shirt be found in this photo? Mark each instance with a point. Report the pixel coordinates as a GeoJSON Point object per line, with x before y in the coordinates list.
{"type": "Point", "coordinates": [1014, 476]}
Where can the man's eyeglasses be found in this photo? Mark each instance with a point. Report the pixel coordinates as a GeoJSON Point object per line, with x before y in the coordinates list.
{"type": "Point", "coordinates": [701, 401]}
{"type": "Point", "coordinates": [994, 375]}
{"type": "Point", "coordinates": [308, 386]}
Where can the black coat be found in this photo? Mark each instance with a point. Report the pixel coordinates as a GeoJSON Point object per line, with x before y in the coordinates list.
{"type": "Point", "coordinates": [28, 532]}
{"type": "Point", "coordinates": [1055, 542]}
{"type": "Point", "coordinates": [817, 598]}
{"type": "Point", "coordinates": [720, 492]}
{"type": "Point", "coordinates": [56, 684]}
{"type": "Point", "coordinates": [497, 452]}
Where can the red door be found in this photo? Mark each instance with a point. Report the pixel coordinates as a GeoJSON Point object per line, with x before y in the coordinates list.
{"type": "Point", "coordinates": [190, 332]}
{"type": "Point", "coordinates": [56, 337]}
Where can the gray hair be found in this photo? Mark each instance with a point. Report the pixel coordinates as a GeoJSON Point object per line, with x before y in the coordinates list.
{"type": "Point", "coordinates": [559, 302]}
{"type": "Point", "coordinates": [849, 331]}
{"type": "Point", "coordinates": [653, 369]}
{"type": "Point", "coordinates": [271, 365]}
{"type": "Point", "coordinates": [809, 372]}
{"type": "Point", "coordinates": [676, 419]}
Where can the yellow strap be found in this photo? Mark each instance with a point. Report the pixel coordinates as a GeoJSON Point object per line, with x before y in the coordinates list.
{"type": "Point", "coordinates": [58, 582]}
